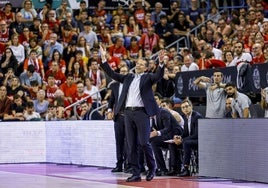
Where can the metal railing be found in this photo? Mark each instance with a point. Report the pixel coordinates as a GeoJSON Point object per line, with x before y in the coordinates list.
{"type": "Point", "coordinates": [83, 99]}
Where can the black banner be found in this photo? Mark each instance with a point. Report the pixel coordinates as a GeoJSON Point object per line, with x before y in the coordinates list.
{"type": "Point", "coordinates": [251, 79]}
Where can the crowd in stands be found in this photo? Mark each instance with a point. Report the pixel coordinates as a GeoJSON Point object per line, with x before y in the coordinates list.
{"type": "Point", "coordinates": [49, 58]}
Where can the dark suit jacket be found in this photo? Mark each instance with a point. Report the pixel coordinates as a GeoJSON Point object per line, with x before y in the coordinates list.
{"type": "Point", "coordinates": [146, 82]}
{"type": "Point", "coordinates": [114, 95]}
{"type": "Point", "coordinates": [194, 126]}
{"type": "Point", "coordinates": [167, 124]}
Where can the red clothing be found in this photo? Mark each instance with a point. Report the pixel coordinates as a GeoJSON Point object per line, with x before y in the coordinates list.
{"type": "Point", "coordinates": [99, 13]}
{"type": "Point", "coordinates": [4, 36]}
{"type": "Point", "coordinates": [38, 64]}
{"type": "Point", "coordinates": [117, 51]}
{"type": "Point", "coordinates": [69, 91]}
{"type": "Point", "coordinates": [139, 15]}
{"type": "Point", "coordinates": [50, 91]}
{"type": "Point", "coordinates": [114, 62]}
{"type": "Point", "coordinates": [134, 51]}
{"type": "Point", "coordinates": [258, 59]}
{"type": "Point", "coordinates": [149, 42]}
{"type": "Point", "coordinates": [60, 78]}
{"type": "Point", "coordinates": [62, 64]}
{"type": "Point", "coordinates": [77, 98]}
{"type": "Point", "coordinates": [4, 106]}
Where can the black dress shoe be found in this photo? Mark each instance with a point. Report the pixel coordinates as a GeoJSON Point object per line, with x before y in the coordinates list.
{"type": "Point", "coordinates": [172, 172]}
{"type": "Point", "coordinates": [150, 175]}
{"type": "Point", "coordinates": [133, 179]}
{"type": "Point", "coordinates": [185, 172]}
{"type": "Point", "coordinates": [128, 169]}
{"type": "Point", "coordinates": [117, 169]}
{"type": "Point", "coordinates": [160, 172]}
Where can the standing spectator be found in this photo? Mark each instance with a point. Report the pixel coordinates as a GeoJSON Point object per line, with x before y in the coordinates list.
{"type": "Point", "coordinates": [241, 102]}
{"type": "Point", "coordinates": [119, 124]}
{"type": "Point", "coordinates": [215, 94]}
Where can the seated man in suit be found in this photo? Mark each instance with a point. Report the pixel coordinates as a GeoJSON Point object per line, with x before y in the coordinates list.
{"type": "Point", "coordinates": [164, 127]}
{"type": "Point", "coordinates": [189, 138]}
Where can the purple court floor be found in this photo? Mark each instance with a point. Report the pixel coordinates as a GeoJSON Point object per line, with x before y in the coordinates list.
{"type": "Point", "coordinates": [72, 176]}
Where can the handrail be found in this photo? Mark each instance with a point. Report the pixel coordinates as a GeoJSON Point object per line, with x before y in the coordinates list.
{"type": "Point", "coordinates": [83, 99]}
{"type": "Point", "coordinates": [100, 107]}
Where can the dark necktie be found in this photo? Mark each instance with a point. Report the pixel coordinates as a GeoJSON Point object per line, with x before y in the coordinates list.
{"type": "Point", "coordinates": [153, 123]}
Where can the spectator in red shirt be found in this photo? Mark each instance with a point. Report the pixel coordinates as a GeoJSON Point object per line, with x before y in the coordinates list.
{"type": "Point", "coordinates": [69, 88]}
{"type": "Point", "coordinates": [258, 56]}
{"type": "Point", "coordinates": [57, 73]}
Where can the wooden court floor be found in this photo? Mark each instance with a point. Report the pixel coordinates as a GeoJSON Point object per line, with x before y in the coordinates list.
{"type": "Point", "coordinates": [72, 176]}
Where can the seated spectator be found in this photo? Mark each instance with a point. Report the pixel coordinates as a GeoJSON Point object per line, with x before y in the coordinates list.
{"type": "Point", "coordinates": [24, 38]}
{"type": "Point", "coordinates": [4, 34]}
{"type": "Point", "coordinates": [44, 12]}
{"type": "Point", "coordinates": [14, 87]}
{"type": "Point", "coordinates": [264, 101]}
{"type": "Point", "coordinates": [97, 75]}
{"type": "Point", "coordinates": [89, 35]}
{"type": "Point", "coordinates": [258, 56]}
{"type": "Point", "coordinates": [228, 57]}
{"type": "Point", "coordinates": [28, 13]}
{"type": "Point", "coordinates": [84, 47]}
{"type": "Point", "coordinates": [29, 76]}
{"type": "Point", "coordinates": [149, 41]}
{"type": "Point", "coordinates": [37, 63]}
{"type": "Point", "coordinates": [57, 57]}
{"type": "Point", "coordinates": [8, 61]}
{"type": "Point", "coordinates": [5, 103]}
{"type": "Point", "coordinates": [50, 87]}
{"type": "Point", "coordinates": [164, 30]}
{"type": "Point", "coordinates": [69, 88]}
{"type": "Point", "coordinates": [51, 114]}
{"type": "Point", "coordinates": [130, 29]}
{"type": "Point", "coordinates": [228, 107]}
{"type": "Point", "coordinates": [118, 49]}
{"type": "Point", "coordinates": [63, 10]}
{"type": "Point", "coordinates": [93, 91]}
{"type": "Point", "coordinates": [18, 51]}
{"type": "Point", "coordinates": [189, 65]}
{"type": "Point", "coordinates": [165, 86]}
{"type": "Point", "coordinates": [7, 14]}
{"type": "Point", "coordinates": [78, 58]}
{"type": "Point", "coordinates": [164, 127]}
{"type": "Point", "coordinates": [30, 114]}
{"type": "Point", "coordinates": [86, 109]}
{"type": "Point", "coordinates": [33, 45]}
{"type": "Point", "coordinates": [41, 104]}
{"type": "Point", "coordinates": [189, 138]}
{"type": "Point", "coordinates": [68, 35]}
{"type": "Point", "coordinates": [57, 73]}
{"type": "Point", "coordinates": [17, 26]}
{"type": "Point", "coordinates": [17, 109]}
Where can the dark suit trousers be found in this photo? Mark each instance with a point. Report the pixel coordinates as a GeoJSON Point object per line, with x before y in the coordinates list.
{"type": "Point", "coordinates": [188, 145]}
{"type": "Point", "coordinates": [137, 124]}
{"type": "Point", "coordinates": [119, 130]}
{"type": "Point", "coordinates": [157, 144]}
